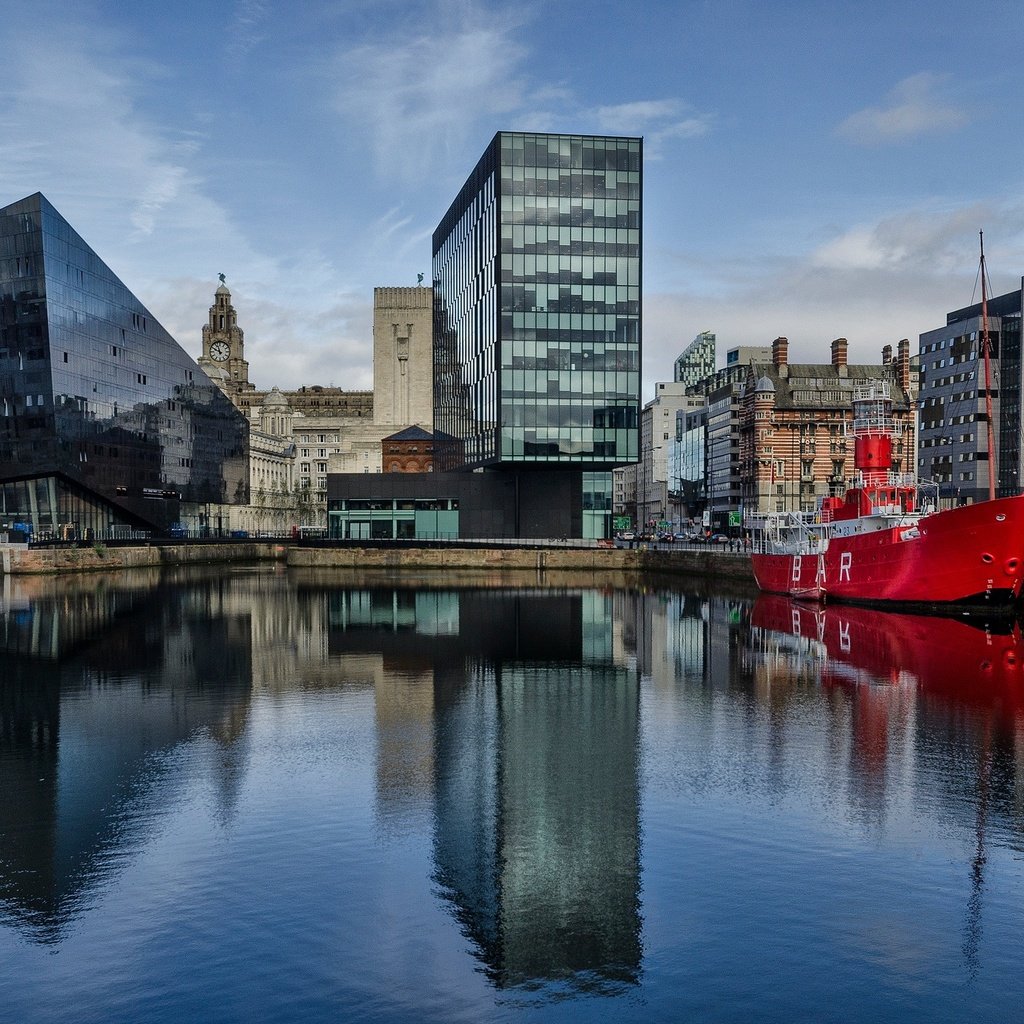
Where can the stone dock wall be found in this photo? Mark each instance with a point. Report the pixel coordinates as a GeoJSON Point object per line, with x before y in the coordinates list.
{"type": "Point", "coordinates": [687, 561]}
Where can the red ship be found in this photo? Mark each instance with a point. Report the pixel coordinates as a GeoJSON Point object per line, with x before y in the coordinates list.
{"type": "Point", "coordinates": [882, 543]}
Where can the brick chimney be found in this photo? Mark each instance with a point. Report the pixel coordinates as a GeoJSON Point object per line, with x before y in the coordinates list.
{"type": "Point", "coordinates": [903, 360]}
{"type": "Point", "coordinates": [839, 352]}
{"type": "Point", "coordinates": [887, 355]}
{"type": "Point", "coordinates": [780, 352]}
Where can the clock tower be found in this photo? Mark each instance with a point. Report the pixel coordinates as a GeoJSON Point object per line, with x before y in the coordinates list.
{"type": "Point", "coordinates": [223, 347]}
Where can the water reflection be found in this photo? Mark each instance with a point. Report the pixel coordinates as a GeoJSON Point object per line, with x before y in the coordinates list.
{"type": "Point", "coordinates": [100, 679]}
{"type": "Point", "coordinates": [531, 756]}
{"type": "Point", "coordinates": [513, 712]}
{"type": "Point", "coordinates": [523, 737]}
{"type": "Point", "coordinates": [945, 690]}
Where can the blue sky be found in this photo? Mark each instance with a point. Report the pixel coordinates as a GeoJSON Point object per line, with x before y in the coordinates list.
{"type": "Point", "coordinates": [812, 169]}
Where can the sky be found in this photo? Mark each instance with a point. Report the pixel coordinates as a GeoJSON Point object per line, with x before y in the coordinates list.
{"type": "Point", "coordinates": [812, 169]}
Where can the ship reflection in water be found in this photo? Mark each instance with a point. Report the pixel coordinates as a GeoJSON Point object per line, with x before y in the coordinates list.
{"type": "Point", "coordinates": [964, 659]}
{"type": "Point", "coordinates": [454, 802]}
{"type": "Point", "coordinates": [961, 675]}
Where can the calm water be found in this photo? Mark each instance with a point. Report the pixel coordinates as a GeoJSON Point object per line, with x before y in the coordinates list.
{"type": "Point", "coordinates": [253, 795]}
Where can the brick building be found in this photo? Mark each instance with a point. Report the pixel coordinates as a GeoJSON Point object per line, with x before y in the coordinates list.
{"type": "Point", "coordinates": [794, 421]}
{"type": "Point", "coordinates": [409, 451]}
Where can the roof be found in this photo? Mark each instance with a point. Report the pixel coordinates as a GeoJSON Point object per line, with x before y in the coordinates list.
{"type": "Point", "coordinates": [815, 385]}
{"type": "Point", "coordinates": [412, 433]}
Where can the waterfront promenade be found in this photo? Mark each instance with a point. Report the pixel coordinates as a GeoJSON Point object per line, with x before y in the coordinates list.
{"type": "Point", "coordinates": [689, 560]}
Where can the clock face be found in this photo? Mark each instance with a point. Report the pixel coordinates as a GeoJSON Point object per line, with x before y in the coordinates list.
{"type": "Point", "coordinates": [219, 351]}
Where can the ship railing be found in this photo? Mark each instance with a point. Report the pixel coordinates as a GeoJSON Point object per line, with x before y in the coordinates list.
{"type": "Point", "coordinates": [783, 531]}
{"type": "Point", "coordinates": [891, 480]}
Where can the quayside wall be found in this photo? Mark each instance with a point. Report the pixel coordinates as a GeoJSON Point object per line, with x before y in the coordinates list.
{"type": "Point", "coordinates": [20, 560]}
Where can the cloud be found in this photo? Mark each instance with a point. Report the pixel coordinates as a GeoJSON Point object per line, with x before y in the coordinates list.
{"type": "Point", "coordinates": [657, 120]}
{"type": "Point", "coordinates": [873, 283]}
{"type": "Point", "coordinates": [663, 116]}
{"type": "Point", "coordinates": [74, 129]}
{"type": "Point", "coordinates": [166, 183]}
{"type": "Point", "coordinates": [417, 96]}
{"type": "Point", "coordinates": [914, 108]}
{"type": "Point", "coordinates": [89, 147]}
{"type": "Point", "coordinates": [420, 95]}
{"type": "Point", "coordinates": [925, 240]}
{"type": "Point", "coordinates": [248, 27]}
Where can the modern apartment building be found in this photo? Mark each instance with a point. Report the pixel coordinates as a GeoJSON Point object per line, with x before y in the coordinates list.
{"type": "Point", "coordinates": [953, 425]}
{"type": "Point", "coordinates": [697, 361]}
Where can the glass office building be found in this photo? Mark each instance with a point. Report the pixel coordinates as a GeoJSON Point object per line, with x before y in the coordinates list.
{"type": "Point", "coordinates": [106, 424]}
{"type": "Point", "coordinates": [537, 312]}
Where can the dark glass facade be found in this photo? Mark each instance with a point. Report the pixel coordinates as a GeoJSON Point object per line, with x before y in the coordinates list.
{"type": "Point", "coordinates": [537, 315]}
{"type": "Point", "coordinates": [423, 506]}
{"type": "Point", "coordinates": [106, 423]}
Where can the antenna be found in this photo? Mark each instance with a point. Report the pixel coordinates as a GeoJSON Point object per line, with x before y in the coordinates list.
{"type": "Point", "coordinates": [986, 348]}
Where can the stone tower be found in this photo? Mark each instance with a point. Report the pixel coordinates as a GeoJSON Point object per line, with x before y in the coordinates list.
{"type": "Point", "coordinates": [223, 346]}
{"type": "Point", "coordinates": [403, 357]}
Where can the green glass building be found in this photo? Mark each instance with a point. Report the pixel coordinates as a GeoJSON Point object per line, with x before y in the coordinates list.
{"type": "Point", "coordinates": [537, 308]}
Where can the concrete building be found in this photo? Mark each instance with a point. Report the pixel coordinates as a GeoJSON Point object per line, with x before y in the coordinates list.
{"type": "Point", "coordinates": [403, 357]}
{"type": "Point", "coordinates": [657, 435]}
{"type": "Point", "coordinates": [298, 436]}
{"type": "Point", "coordinates": [624, 490]}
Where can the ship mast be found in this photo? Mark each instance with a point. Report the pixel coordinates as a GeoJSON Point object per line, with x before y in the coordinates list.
{"type": "Point", "coordinates": [986, 350]}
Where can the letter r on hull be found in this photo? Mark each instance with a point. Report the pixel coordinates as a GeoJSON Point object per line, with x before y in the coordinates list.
{"type": "Point", "coordinates": [845, 561]}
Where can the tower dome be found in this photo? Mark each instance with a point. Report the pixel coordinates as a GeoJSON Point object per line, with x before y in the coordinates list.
{"type": "Point", "coordinates": [276, 414]}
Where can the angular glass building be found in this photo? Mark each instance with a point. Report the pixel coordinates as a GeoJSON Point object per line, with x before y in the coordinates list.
{"type": "Point", "coordinates": [537, 313]}
{"type": "Point", "coordinates": [106, 424]}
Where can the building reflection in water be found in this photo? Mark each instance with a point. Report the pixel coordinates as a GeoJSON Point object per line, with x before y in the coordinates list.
{"type": "Point", "coordinates": [532, 761]}
{"type": "Point", "coordinates": [506, 722]}
{"type": "Point", "coordinates": [99, 679]}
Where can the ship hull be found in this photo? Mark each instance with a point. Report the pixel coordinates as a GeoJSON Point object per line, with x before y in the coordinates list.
{"type": "Point", "coordinates": [966, 555]}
